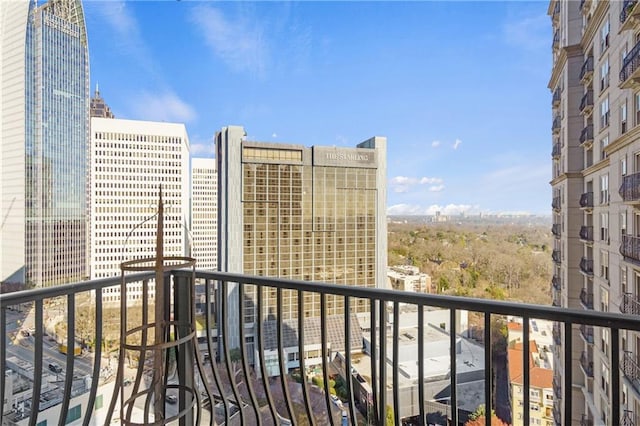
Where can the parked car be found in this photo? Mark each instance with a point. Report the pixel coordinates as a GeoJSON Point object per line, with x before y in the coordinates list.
{"type": "Point", "coordinates": [55, 367]}
{"type": "Point", "coordinates": [171, 399]}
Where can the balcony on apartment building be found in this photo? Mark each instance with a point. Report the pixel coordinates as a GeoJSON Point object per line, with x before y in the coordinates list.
{"type": "Point", "coordinates": [586, 135]}
{"type": "Point", "coordinates": [586, 234]}
{"type": "Point", "coordinates": [630, 15]}
{"type": "Point", "coordinates": [587, 364]}
{"type": "Point", "coordinates": [556, 151]}
{"type": "Point", "coordinates": [628, 418]}
{"type": "Point", "coordinates": [630, 71]}
{"type": "Point", "coordinates": [555, 256]}
{"type": "Point", "coordinates": [556, 333]}
{"type": "Point", "coordinates": [555, 230]}
{"type": "Point", "coordinates": [586, 266]}
{"type": "Point", "coordinates": [555, 15]}
{"type": "Point", "coordinates": [630, 189]}
{"type": "Point", "coordinates": [631, 369]}
{"type": "Point", "coordinates": [586, 421]}
{"type": "Point", "coordinates": [586, 331]}
{"type": "Point", "coordinates": [557, 97]}
{"type": "Point", "coordinates": [207, 374]}
{"type": "Point", "coordinates": [556, 203]}
{"type": "Point", "coordinates": [556, 283]}
{"type": "Point", "coordinates": [586, 72]}
{"type": "Point", "coordinates": [586, 200]}
{"type": "Point", "coordinates": [555, 44]}
{"type": "Point", "coordinates": [555, 126]}
{"type": "Point", "coordinates": [586, 103]}
{"type": "Point", "coordinates": [630, 304]}
{"type": "Point", "coordinates": [557, 388]}
{"type": "Point", "coordinates": [630, 248]}
{"type": "Point", "coordinates": [586, 298]}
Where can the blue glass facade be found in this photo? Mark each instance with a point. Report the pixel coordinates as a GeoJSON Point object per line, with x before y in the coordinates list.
{"type": "Point", "coordinates": [57, 143]}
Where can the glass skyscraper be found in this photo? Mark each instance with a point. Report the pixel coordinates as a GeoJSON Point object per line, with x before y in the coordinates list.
{"type": "Point", "coordinates": [45, 167]}
{"type": "Point", "coordinates": [293, 212]}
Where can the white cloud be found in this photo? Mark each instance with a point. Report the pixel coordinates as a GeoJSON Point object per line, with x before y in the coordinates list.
{"type": "Point", "coordinates": [239, 43]}
{"type": "Point", "coordinates": [457, 143]}
{"type": "Point", "coordinates": [429, 181]}
{"type": "Point", "coordinates": [435, 144]}
{"type": "Point", "coordinates": [165, 106]}
{"type": "Point", "coordinates": [274, 135]}
{"type": "Point", "coordinates": [202, 148]}
{"type": "Point", "coordinates": [448, 210]}
{"type": "Point", "coordinates": [436, 188]}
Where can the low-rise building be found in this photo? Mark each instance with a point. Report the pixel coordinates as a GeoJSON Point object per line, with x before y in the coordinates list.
{"type": "Point", "coordinates": [409, 278]}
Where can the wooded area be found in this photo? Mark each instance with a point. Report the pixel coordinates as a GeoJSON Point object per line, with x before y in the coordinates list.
{"type": "Point", "coordinates": [496, 261]}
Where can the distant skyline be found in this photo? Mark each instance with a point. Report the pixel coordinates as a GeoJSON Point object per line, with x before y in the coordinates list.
{"type": "Point", "coordinates": [458, 88]}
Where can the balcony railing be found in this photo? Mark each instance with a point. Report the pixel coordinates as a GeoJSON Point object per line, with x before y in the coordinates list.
{"type": "Point", "coordinates": [556, 334]}
{"type": "Point", "coordinates": [556, 151]}
{"type": "Point", "coordinates": [557, 122]}
{"type": "Point", "coordinates": [555, 256]}
{"type": "Point", "coordinates": [556, 12]}
{"type": "Point", "coordinates": [630, 248]}
{"type": "Point", "coordinates": [556, 40]}
{"type": "Point", "coordinates": [628, 418]}
{"type": "Point", "coordinates": [586, 421]}
{"type": "Point", "coordinates": [631, 370]}
{"type": "Point", "coordinates": [586, 72]}
{"type": "Point", "coordinates": [629, 14]}
{"type": "Point", "coordinates": [587, 333]}
{"type": "Point", "coordinates": [630, 304]}
{"type": "Point", "coordinates": [557, 388]}
{"type": "Point", "coordinates": [557, 97]}
{"type": "Point", "coordinates": [556, 283]}
{"type": "Point", "coordinates": [556, 203]}
{"type": "Point", "coordinates": [586, 233]}
{"type": "Point", "coordinates": [555, 230]}
{"type": "Point", "coordinates": [586, 298]}
{"type": "Point", "coordinates": [586, 200]}
{"type": "Point", "coordinates": [586, 364]}
{"type": "Point", "coordinates": [586, 135]}
{"type": "Point", "coordinates": [630, 188]}
{"type": "Point", "coordinates": [586, 265]}
{"type": "Point", "coordinates": [630, 66]}
{"type": "Point", "coordinates": [260, 344]}
{"type": "Point", "coordinates": [586, 103]}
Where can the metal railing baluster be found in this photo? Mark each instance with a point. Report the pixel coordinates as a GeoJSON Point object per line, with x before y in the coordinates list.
{"type": "Point", "coordinates": [210, 288]}
{"type": "Point", "coordinates": [37, 368]}
{"type": "Point", "coordinates": [227, 350]}
{"type": "Point", "coordinates": [487, 368]}
{"type": "Point", "coordinates": [325, 352]}
{"type": "Point", "coordinates": [347, 349]}
{"type": "Point", "coordinates": [526, 370]}
{"type": "Point", "coordinates": [615, 376]}
{"type": "Point", "coordinates": [383, 362]}
{"type": "Point", "coordinates": [568, 363]}
{"type": "Point", "coordinates": [375, 356]}
{"type": "Point", "coordinates": [454, 369]}
{"type": "Point", "coordinates": [421, 420]}
{"type": "Point", "coordinates": [283, 361]}
{"type": "Point", "coordinates": [71, 350]}
{"type": "Point", "coordinates": [303, 370]}
{"type": "Point", "coordinates": [97, 357]}
{"type": "Point", "coordinates": [396, 356]}
{"type": "Point", "coordinates": [245, 361]}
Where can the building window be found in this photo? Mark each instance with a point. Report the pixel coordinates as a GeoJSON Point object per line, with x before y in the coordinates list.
{"type": "Point", "coordinates": [604, 265]}
{"type": "Point", "coordinates": [73, 414]}
{"type": "Point", "coordinates": [604, 227]}
{"type": "Point", "coordinates": [623, 167]}
{"type": "Point", "coordinates": [604, 36]}
{"type": "Point", "coordinates": [604, 189]}
{"type": "Point", "coordinates": [604, 113]}
{"type": "Point", "coordinates": [636, 105]}
{"type": "Point", "coordinates": [604, 74]}
{"type": "Point", "coordinates": [604, 307]}
{"type": "Point", "coordinates": [604, 142]}
{"type": "Point", "coordinates": [605, 379]}
{"type": "Point", "coordinates": [623, 117]}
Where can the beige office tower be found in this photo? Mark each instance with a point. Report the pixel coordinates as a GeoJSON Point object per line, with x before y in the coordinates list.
{"type": "Point", "coordinates": [595, 83]}
{"type": "Point", "coordinates": [294, 212]}
{"type": "Point", "coordinates": [204, 212]}
{"type": "Point", "coordinates": [130, 161]}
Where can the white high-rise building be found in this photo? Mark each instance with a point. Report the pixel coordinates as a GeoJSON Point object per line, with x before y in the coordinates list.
{"type": "Point", "coordinates": [130, 161]}
{"type": "Point", "coordinates": [204, 213]}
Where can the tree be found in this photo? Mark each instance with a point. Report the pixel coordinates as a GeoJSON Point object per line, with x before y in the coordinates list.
{"type": "Point", "coordinates": [390, 416]}
{"type": "Point", "coordinates": [478, 418]}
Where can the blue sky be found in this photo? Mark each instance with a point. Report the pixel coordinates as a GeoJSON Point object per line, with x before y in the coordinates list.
{"type": "Point", "coordinates": [458, 88]}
